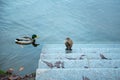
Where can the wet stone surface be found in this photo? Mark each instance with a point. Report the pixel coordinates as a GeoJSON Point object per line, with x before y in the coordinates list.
{"type": "Point", "coordinates": [79, 64]}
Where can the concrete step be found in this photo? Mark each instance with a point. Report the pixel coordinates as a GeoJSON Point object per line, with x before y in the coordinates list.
{"type": "Point", "coordinates": [100, 50]}
{"type": "Point", "coordinates": [83, 46]}
{"type": "Point", "coordinates": [46, 64]}
{"type": "Point", "coordinates": [78, 74]}
{"type": "Point", "coordinates": [79, 56]}
{"type": "Point", "coordinates": [58, 50]}
{"type": "Point", "coordinates": [80, 50]}
{"type": "Point", "coordinates": [84, 62]}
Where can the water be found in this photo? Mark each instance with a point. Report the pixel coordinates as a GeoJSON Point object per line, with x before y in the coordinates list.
{"type": "Point", "coordinates": [93, 21]}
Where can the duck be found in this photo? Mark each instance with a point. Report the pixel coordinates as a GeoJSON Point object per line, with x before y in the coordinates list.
{"type": "Point", "coordinates": [27, 40]}
{"type": "Point", "coordinates": [68, 43]}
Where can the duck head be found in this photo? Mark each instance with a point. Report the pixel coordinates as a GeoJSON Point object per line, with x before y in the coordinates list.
{"type": "Point", "coordinates": [34, 36]}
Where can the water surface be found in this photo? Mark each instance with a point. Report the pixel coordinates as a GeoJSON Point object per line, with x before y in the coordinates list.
{"type": "Point", "coordinates": [93, 21]}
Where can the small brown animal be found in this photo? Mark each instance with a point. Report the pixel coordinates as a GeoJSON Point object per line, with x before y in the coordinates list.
{"type": "Point", "coordinates": [68, 43]}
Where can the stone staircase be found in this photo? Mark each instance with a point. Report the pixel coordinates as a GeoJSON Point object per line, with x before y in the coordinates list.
{"type": "Point", "coordinates": [84, 62]}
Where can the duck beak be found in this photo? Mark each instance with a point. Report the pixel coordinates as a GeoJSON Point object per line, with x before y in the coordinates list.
{"type": "Point", "coordinates": [37, 37]}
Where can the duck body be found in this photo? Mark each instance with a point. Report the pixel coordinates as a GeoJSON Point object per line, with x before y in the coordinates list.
{"type": "Point", "coordinates": [68, 43]}
{"type": "Point", "coordinates": [24, 40]}
{"type": "Point", "coordinates": [27, 40]}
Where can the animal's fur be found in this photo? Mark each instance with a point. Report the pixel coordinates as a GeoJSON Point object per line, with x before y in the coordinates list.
{"type": "Point", "coordinates": [68, 44]}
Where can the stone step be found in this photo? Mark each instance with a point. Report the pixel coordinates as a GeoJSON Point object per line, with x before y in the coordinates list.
{"type": "Point", "coordinates": [78, 74]}
{"type": "Point", "coordinates": [83, 46]}
{"type": "Point", "coordinates": [60, 48]}
{"type": "Point", "coordinates": [100, 50]}
{"type": "Point", "coordinates": [46, 64]}
{"type": "Point", "coordinates": [84, 62]}
{"type": "Point", "coordinates": [79, 56]}
{"type": "Point", "coordinates": [80, 50]}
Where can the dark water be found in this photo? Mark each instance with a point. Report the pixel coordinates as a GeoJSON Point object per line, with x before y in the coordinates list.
{"type": "Point", "coordinates": [93, 21]}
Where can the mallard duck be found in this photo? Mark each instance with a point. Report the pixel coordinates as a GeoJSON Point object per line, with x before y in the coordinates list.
{"type": "Point", "coordinates": [27, 40]}
{"type": "Point", "coordinates": [68, 43]}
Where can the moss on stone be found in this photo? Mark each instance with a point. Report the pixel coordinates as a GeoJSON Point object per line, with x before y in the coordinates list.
{"type": "Point", "coordinates": [2, 72]}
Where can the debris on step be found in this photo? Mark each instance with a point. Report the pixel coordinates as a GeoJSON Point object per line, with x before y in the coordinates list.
{"type": "Point", "coordinates": [50, 65]}
{"type": "Point", "coordinates": [85, 78]}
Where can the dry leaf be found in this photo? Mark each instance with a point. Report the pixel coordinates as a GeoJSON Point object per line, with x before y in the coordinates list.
{"type": "Point", "coordinates": [21, 68]}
